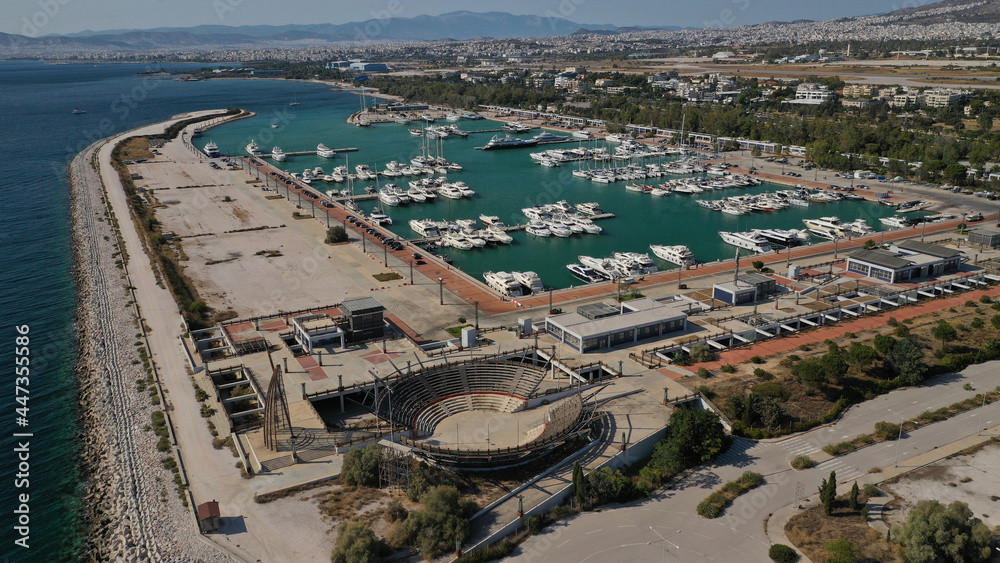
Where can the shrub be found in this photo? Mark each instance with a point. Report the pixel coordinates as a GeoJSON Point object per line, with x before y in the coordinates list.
{"type": "Point", "coordinates": [763, 375]}
{"type": "Point", "coordinates": [356, 542]}
{"type": "Point", "coordinates": [977, 323]}
{"type": "Point", "coordinates": [970, 303]}
{"type": "Point", "coordinates": [708, 510]}
{"type": "Point", "coordinates": [704, 373]}
{"type": "Point", "coordinates": [871, 490]}
{"type": "Point", "coordinates": [773, 389]}
{"type": "Point", "coordinates": [756, 360]}
{"type": "Point", "coordinates": [361, 466]}
{"type": "Point", "coordinates": [607, 484]}
{"type": "Point", "coordinates": [395, 511]}
{"type": "Point", "coordinates": [534, 524]}
{"type": "Point", "coordinates": [701, 353]}
{"type": "Point", "coordinates": [728, 368]}
{"type": "Point", "coordinates": [336, 235]}
{"type": "Point", "coordinates": [892, 322]}
{"type": "Point", "coordinates": [781, 553]}
{"type": "Point", "coordinates": [985, 300]}
{"type": "Point", "coordinates": [802, 462]}
{"type": "Point", "coordinates": [902, 331]}
{"type": "Point", "coordinates": [886, 430]}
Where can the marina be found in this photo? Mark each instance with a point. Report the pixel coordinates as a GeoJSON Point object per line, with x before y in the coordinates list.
{"type": "Point", "coordinates": [506, 181]}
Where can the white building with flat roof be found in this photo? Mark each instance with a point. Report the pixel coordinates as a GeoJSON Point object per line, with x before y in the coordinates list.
{"type": "Point", "coordinates": [604, 325]}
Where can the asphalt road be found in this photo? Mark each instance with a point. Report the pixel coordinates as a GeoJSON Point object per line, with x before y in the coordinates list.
{"type": "Point", "coordinates": [665, 527]}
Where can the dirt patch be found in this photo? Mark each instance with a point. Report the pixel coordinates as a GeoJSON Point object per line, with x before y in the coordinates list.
{"type": "Point", "coordinates": [241, 214]}
{"type": "Point", "coordinates": [812, 530]}
{"type": "Point", "coordinates": [971, 479]}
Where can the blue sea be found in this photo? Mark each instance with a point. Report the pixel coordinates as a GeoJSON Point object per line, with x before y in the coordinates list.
{"type": "Point", "coordinates": [41, 134]}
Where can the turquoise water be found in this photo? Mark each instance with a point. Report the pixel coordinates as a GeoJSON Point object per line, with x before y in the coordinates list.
{"type": "Point", "coordinates": [505, 182]}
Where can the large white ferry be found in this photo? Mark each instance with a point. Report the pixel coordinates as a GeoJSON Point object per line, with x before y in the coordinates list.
{"type": "Point", "coordinates": [750, 241]}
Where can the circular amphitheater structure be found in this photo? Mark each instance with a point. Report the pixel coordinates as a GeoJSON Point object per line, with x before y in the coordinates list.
{"type": "Point", "coordinates": [483, 414]}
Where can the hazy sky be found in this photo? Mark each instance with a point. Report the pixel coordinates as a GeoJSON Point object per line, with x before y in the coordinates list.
{"type": "Point", "coordinates": [68, 16]}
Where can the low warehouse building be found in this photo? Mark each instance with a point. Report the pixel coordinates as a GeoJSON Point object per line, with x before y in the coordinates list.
{"type": "Point", "coordinates": [603, 325]}
{"type": "Point", "coordinates": [906, 261]}
{"type": "Point", "coordinates": [988, 238]}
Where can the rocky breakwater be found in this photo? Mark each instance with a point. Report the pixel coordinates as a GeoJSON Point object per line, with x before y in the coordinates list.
{"type": "Point", "coordinates": [131, 505]}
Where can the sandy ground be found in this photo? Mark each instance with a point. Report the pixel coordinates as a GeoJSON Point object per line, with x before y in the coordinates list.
{"type": "Point", "coordinates": [308, 272]}
{"type": "Point", "coordinates": [942, 481]}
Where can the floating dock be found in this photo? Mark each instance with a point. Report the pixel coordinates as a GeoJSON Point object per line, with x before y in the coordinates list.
{"type": "Point", "coordinates": [307, 153]}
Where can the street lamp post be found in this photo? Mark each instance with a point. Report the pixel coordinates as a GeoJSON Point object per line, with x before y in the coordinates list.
{"type": "Point", "coordinates": [441, 288]}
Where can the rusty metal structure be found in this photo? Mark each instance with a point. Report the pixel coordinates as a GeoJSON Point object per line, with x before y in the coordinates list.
{"type": "Point", "coordinates": [276, 416]}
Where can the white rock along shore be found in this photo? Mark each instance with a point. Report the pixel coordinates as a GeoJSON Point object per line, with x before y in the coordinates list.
{"type": "Point", "coordinates": [131, 509]}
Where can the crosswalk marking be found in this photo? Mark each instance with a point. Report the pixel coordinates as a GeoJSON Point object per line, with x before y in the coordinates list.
{"type": "Point", "coordinates": [798, 446]}
{"type": "Point", "coordinates": [844, 471]}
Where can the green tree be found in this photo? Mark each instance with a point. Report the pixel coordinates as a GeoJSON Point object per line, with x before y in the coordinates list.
{"type": "Point", "coordinates": [995, 321]}
{"type": "Point", "coordinates": [757, 265]}
{"type": "Point", "coordinates": [870, 244]}
{"type": "Point", "coordinates": [356, 543]}
{"type": "Point", "coordinates": [841, 551]}
{"type": "Point", "coordinates": [336, 234]}
{"type": "Point", "coordinates": [985, 121]}
{"type": "Point", "coordinates": [907, 360]}
{"type": "Point", "coordinates": [945, 333]}
{"type": "Point", "coordinates": [693, 437]}
{"type": "Point", "coordinates": [579, 485]}
{"type": "Point", "coordinates": [884, 344]}
{"type": "Point", "coordinates": [434, 530]}
{"type": "Point", "coordinates": [361, 466]}
{"type": "Point", "coordinates": [853, 498]}
{"type": "Point", "coordinates": [834, 367]}
{"type": "Point", "coordinates": [828, 493]}
{"type": "Point", "coordinates": [861, 355]}
{"type": "Point", "coordinates": [607, 484]}
{"type": "Point", "coordinates": [934, 532]}
{"type": "Point", "coordinates": [810, 373]}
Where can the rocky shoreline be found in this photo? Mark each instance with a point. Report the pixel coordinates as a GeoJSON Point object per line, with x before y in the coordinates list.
{"type": "Point", "coordinates": [131, 510]}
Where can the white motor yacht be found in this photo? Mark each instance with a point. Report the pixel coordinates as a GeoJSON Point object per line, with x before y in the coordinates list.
{"type": "Point", "coordinates": [277, 154]}
{"type": "Point", "coordinates": [211, 149]}
{"type": "Point", "coordinates": [750, 241]}
{"type": "Point", "coordinates": [450, 192]}
{"type": "Point", "coordinates": [455, 241]}
{"type": "Point", "coordinates": [324, 151]}
{"type": "Point", "coordinates": [504, 283]}
{"type": "Point", "coordinates": [677, 254]}
{"type": "Point", "coordinates": [425, 227]}
{"type": "Point", "coordinates": [784, 237]}
{"type": "Point", "coordinates": [602, 266]}
{"type": "Point", "coordinates": [538, 229]}
{"type": "Point", "coordinates": [491, 220]}
{"type": "Point", "coordinates": [530, 280]}
{"type": "Point", "coordinates": [388, 198]}
{"type": "Point", "coordinates": [252, 148]}
{"type": "Point", "coordinates": [585, 273]}
{"type": "Point", "coordinates": [558, 229]}
{"type": "Point", "coordinates": [379, 218]}
{"type": "Point", "coordinates": [895, 222]}
{"type": "Point", "coordinates": [500, 236]}
{"type": "Point", "coordinates": [640, 260]}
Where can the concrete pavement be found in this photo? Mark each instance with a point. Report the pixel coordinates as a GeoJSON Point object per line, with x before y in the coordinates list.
{"type": "Point", "coordinates": [739, 533]}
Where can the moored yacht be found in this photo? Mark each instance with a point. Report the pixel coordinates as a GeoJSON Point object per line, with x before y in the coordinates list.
{"type": "Point", "coordinates": [677, 254]}
{"type": "Point", "coordinates": [602, 266]}
{"type": "Point", "coordinates": [640, 261]}
{"type": "Point", "coordinates": [425, 227]}
{"type": "Point", "coordinates": [324, 151]}
{"type": "Point", "coordinates": [529, 280]}
{"type": "Point", "coordinates": [379, 218]}
{"type": "Point", "coordinates": [277, 154]}
{"type": "Point", "coordinates": [252, 148]}
{"type": "Point", "coordinates": [504, 283]}
{"type": "Point", "coordinates": [750, 241]}
{"type": "Point", "coordinates": [895, 222]}
{"type": "Point", "coordinates": [585, 273]}
{"type": "Point", "coordinates": [212, 149]}
{"type": "Point", "coordinates": [784, 237]}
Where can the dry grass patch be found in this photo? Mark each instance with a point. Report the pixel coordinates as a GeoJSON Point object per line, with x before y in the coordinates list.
{"type": "Point", "coordinates": [811, 531]}
{"type": "Point", "coordinates": [135, 147]}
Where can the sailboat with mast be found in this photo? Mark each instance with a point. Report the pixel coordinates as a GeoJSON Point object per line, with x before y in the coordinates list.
{"type": "Point", "coordinates": [350, 203]}
{"type": "Point", "coordinates": [362, 120]}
